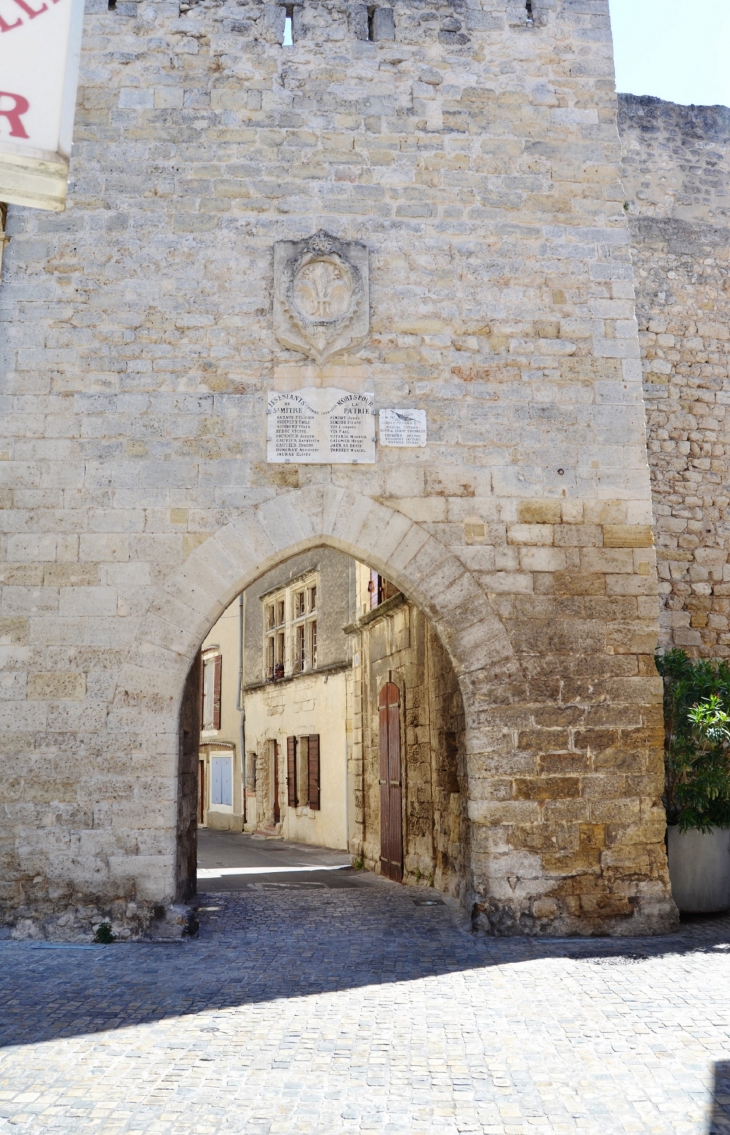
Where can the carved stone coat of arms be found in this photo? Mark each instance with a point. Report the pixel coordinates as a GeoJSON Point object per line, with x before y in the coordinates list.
{"type": "Point", "coordinates": [321, 295]}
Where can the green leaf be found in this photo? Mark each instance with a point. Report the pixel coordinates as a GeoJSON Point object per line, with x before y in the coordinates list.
{"type": "Point", "coordinates": [697, 740]}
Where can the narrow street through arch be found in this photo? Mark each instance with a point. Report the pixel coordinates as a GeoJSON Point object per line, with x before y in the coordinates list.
{"type": "Point", "coordinates": [323, 717]}
{"type": "Point", "coordinates": [232, 862]}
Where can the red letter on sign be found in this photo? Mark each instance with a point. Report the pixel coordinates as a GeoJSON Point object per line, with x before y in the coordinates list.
{"type": "Point", "coordinates": [20, 107]}
{"type": "Point", "coordinates": [32, 12]}
{"type": "Point", "coordinates": [5, 27]}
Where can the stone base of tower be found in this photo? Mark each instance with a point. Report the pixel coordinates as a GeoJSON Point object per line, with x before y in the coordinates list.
{"type": "Point", "coordinates": [588, 915]}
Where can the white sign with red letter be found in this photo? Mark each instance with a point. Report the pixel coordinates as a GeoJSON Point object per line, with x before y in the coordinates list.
{"type": "Point", "coordinates": [40, 43]}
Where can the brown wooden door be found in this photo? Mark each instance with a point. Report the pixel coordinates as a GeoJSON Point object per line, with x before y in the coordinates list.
{"type": "Point", "coordinates": [391, 794]}
{"type": "Point", "coordinates": [277, 809]}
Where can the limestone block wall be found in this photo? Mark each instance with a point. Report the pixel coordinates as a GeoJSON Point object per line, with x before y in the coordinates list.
{"type": "Point", "coordinates": [476, 155]}
{"type": "Point", "coordinates": [398, 645]}
{"type": "Point", "coordinates": [676, 168]}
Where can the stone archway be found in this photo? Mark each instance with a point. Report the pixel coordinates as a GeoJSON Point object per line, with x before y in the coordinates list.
{"type": "Point", "coordinates": [193, 598]}
{"type": "Point", "coordinates": [153, 679]}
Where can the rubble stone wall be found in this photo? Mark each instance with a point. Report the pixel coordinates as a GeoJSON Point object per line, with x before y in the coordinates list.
{"type": "Point", "coordinates": [474, 151]}
{"type": "Point", "coordinates": [677, 183]}
{"type": "Point", "coordinates": [401, 647]}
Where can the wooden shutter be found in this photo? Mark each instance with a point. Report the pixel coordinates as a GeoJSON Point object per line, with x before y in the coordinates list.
{"type": "Point", "coordinates": [313, 770]}
{"type": "Point", "coordinates": [221, 781]}
{"type": "Point", "coordinates": [217, 692]}
{"type": "Point", "coordinates": [216, 781]}
{"type": "Point", "coordinates": [277, 807]}
{"type": "Point", "coordinates": [374, 589]}
{"type": "Point", "coordinates": [227, 781]}
{"type": "Point", "coordinates": [291, 771]}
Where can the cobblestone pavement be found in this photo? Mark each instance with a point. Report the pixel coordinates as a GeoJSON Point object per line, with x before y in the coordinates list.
{"type": "Point", "coordinates": [307, 1010]}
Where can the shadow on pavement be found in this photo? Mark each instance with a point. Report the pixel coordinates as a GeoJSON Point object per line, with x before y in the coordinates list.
{"type": "Point", "coordinates": [288, 936]}
{"type": "Point", "coordinates": [720, 1117]}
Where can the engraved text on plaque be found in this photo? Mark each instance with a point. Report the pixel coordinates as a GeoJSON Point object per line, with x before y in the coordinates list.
{"type": "Point", "coordinates": [320, 426]}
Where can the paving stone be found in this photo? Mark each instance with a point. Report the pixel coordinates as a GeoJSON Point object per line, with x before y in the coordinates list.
{"type": "Point", "coordinates": [354, 1011]}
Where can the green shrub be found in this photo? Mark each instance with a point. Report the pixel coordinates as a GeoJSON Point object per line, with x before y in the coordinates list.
{"type": "Point", "coordinates": [696, 741]}
{"type": "Point", "coordinates": [104, 934]}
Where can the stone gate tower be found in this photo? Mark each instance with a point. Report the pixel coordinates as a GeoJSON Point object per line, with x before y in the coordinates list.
{"type": "Point", "coordinates": [461, 158]}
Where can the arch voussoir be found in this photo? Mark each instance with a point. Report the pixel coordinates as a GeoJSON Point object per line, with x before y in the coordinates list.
{"type": "Point", "coordinates": [252, 532]}
{"type": "Point", "coordinates": [350, 518]}
{"type": "Point", "coordinates": [191, 600]}
{"type": "Point", "coordinates": [284, 524]}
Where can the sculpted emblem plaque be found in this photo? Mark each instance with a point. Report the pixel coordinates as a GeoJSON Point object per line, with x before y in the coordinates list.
{"type": "Point", "coordinates": [321, 295]}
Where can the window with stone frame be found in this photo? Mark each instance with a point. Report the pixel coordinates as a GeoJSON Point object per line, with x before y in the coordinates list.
{"type": "Point", "coordinates": [275, 637]}
{"type": "Point", "coordinates": [380, 589]}
{"type": "Point", "coordinates": [303, 772]}
{"type": "Point", "coordinates": [290, 629]}
{"type": "Point", "coordinates": [304, 626]}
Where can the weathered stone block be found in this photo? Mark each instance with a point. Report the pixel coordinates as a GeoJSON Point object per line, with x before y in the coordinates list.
{"type": "Point", "coordinates": [547, 788]}
{"type": "Point", "coordinates": [627, 536]}
{"type": "Point", "coordinates": [56, 686]}
{"type": "Point", "coordinates": [539, 512]}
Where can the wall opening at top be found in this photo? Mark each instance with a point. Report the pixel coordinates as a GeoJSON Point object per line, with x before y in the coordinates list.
{"type": "Point", "coordinates": [288, 39]}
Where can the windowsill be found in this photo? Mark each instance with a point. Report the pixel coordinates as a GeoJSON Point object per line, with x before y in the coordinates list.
{"type": "Point", "coordinates": [209, 732]}
{"type": "Point", "coordinates": [379, 612]}
{"type": "Point", "coordinates": [318, 672]}
{"type": "Point", "coordinates": [225, 808]}
{"type": "Point", "coordinates": [305, 812]}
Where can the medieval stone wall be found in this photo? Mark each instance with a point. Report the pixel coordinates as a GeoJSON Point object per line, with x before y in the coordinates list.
{"type": "Point", "coordinates": [677, 183]}
{"type": "Point", "coordinates": [449, 777]}
{"type": "Point", "coordinates": [397, 645]}
{"type": "Point", "coordinates": [474, 152]}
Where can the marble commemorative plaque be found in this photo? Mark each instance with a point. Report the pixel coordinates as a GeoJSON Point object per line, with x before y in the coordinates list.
{"type": "Point", "coordinates": [320, 426]}
{"type": "Point", "coordinates": [403, 427]}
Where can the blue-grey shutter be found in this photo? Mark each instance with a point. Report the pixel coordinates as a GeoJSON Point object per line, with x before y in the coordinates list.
{"type": "Point", "coordinates": [216, 781]}
{"type": "Point", "coordinates": [221, 781]}
{"type": "Point", "coordinates": [227, 781]}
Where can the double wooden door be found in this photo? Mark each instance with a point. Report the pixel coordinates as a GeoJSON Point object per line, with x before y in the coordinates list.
{"type": "Point", "coordinates": [391, 787]}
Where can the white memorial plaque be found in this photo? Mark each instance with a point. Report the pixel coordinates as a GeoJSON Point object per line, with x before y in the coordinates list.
{"type": "Point", "coordinates": [403, 427]}
{"type": "Point", "coordinates": [320, 426]}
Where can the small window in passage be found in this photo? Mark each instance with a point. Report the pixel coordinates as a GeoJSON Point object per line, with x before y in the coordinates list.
{"type": "Point", "coordinates": [288, 40]}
